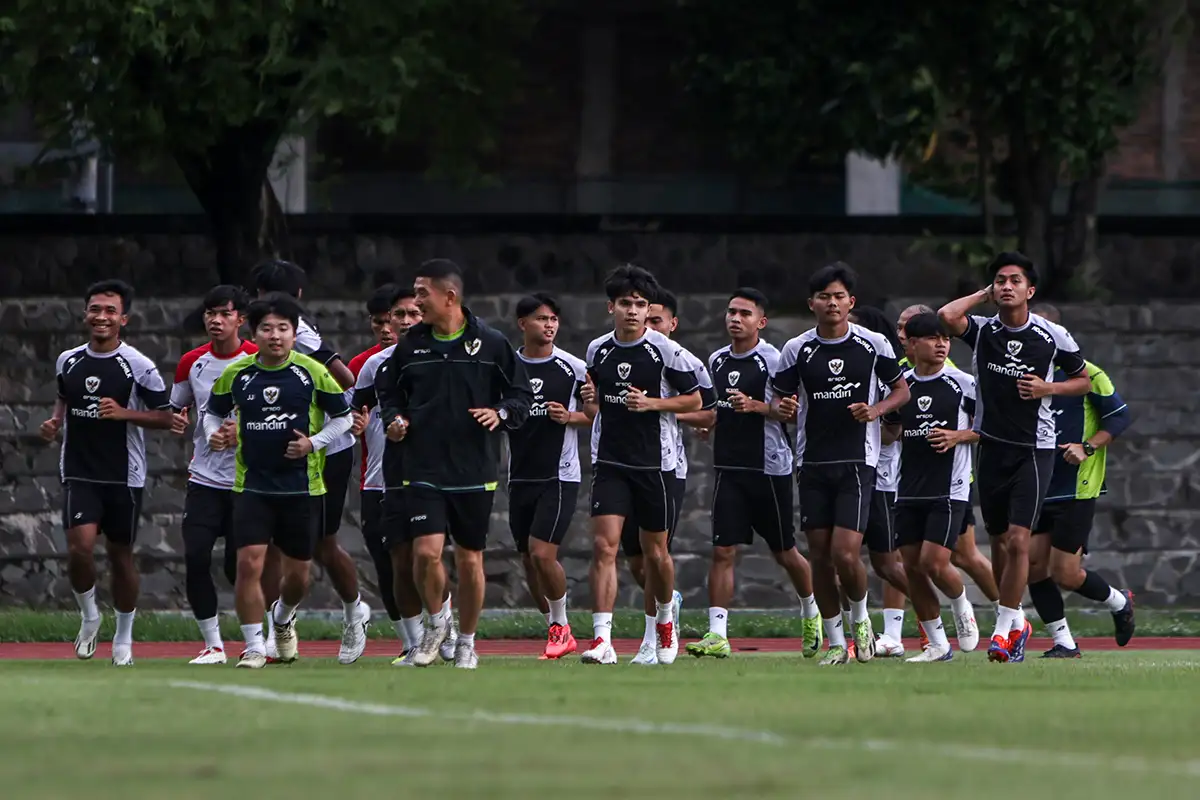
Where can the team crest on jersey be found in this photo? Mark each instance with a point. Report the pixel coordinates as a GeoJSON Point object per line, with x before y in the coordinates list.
{"type": "Point", "coordinates": [91, 383]}
{"type": "Point", "coordinates": [835, 366]}
{"type": "Point", "coordinates": [271, 394]}
{"type": "Point", "coordinates": [1014, 348]}
{"type": "Point", "coordinates": [733, 377]}
{"type": "Point", "coordinates": [536, 385]}
{"type": "Point", "coordinates": [623, 370]}
{"type": "Point", "coordinates": [924, 403]}
{"type": "Point", "coordinates": [472, 347]}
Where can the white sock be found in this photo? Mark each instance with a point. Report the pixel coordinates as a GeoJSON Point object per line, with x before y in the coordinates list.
{"type": "Point", "coordinates": [808, 607]}
{"type": "Point", "coordinates": [602, 626]}
{"type": "Point", "coordinates": [469, 638]}
{"type": "Point", "coordinates": [1004, 621]}
{"type": "Point", "coordinates": [666, 612]}
{"type": "Point", "coordinates": [349, 608]}
{"type": "Point", "coordinates": [446, 614]}
{"type": "Point", "coordinates": [1116, 601]}
{"type": "Point", "coordinates": [858, 609]}
{"type": "Point", "coordinates": [558, 611]}
{"type": "Point", "coordinates": [210, 629]}
{"type": "Point", "coordinates": [835, 632]}
{"type": "Point", "coordinates": [846, 621]}
{"type": "Point", "coordinates": [253, 636]}
{"type": "Point", "coordinates": [270, 627]}
{"type": "Point", "coordinates": [548, 615]}
{"type": "Point", "coordinates": [650, 636]}
{"type": "Point", "coordinates": [718, 620]}
{"type": "Point", "coordinates": [440, 618]}
{"type": "Point", "coordinates": [87, 604]}
{"type": "Point", "coordinates": [961, 605]}
{"type": "Point", "coordinates": [893, 623]}
{"type": "Point", "coordinates": [936, 632]}
{"type": "Point", "coordinates": [283, 614]}
{"type": "Point", "coordinates": [1061, 633]}
{"type": "Point", "coordinates": [1019, 622]}
{"type": "Point", "coordinates": [124, 627]}
{"type": "Point", "coordinates": [414, 628]}
{"type": "Point", "coordinates": [398, 626]}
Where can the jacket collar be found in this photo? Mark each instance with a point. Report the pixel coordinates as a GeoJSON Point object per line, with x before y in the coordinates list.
{"type": "Point", "coordinates": [423, 330]}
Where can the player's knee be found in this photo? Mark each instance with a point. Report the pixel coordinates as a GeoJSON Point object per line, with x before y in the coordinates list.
{"type": "Point", "coordinates": [250, 562]}
{"type": "Point", "coordinates": [932, 562]}
{"type": "Point", "coordinates": [845, 559]}
{"type": "Point", "coordinates": [468, 559]}
{"type": "Point", "coordinates": [725, 556]}
{"type": "Point", "coordinates": [543, 555]}
{"type": "Point", "coordinates": [605, 552]}
{"type": "Point", "coordinates": [427, 550]}
{"type": "Point", "coordinates": [1065, 572]}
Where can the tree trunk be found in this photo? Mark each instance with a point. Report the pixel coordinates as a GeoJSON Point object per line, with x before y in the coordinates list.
{"type": "Point", "coordinates": [1078, 265]}
{"type": "Point", "coordinates": [1034, 174]}
{"type": "Point", "coordinates": [229, 180]}
{"type": "Point", "coordinates": [983, 146]}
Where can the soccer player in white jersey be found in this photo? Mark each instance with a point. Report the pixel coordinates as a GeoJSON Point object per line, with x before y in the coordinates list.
{"type": "Point", "coordinates": [663, 317]}
{"type": "Point", "coordinates": [641, 381]}
{"type": "Point", "coordinates": [290, 279]}
{"type": "Point", "coordinates": [107, 393]}
{"type": "Point", "coordinates": [752, 457]}
{"type": "Point", "coordinates": [392, 310]}
{"type": "Point", "coordinates": [543, 465]}
{"type": "Point", "coordinates": [208, 508]}
{"type": "Point", "coordinates": [828, 377]}
{"type": "Point", "coordinates": [935, 484]}
{"type": "Point", "coordinates": [1016, 353]}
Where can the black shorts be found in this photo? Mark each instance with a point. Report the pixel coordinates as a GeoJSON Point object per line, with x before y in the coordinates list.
{"type": "Point", "coordinates": [631, 534]}
{"type": "Point", "coordinates": [835, 496]}
{"type": "Point", "coordinates": [372, 515]}
{"type": "Point", "coordinates": [464, 516]}
{"type": "Point", "coordinates": [1069, 524]}
{"type": "Point", "coordinates": [542, 510]}
{"type": "Point", "coordinates": [968, 519]}
{"type": "Point", "coordinates": [338, 468]}
{"type": "Point", "coordinates": [645, 495]}
{"type": "Point", "coordinates": [880, 535]}
{"type": "Point", "coordinates": [116, 508]}
{"type": "Point", "coordinates": [745, 503]}
{"type": "Point", "coordinates": [290, 522]}
{"type": "Point", "coordinates": [393, 517]}
{"type": "Point", "coordinates": [207, 514]}
{"type": "Point", "coordinates": [1013, 482]}
{"type": "Point", "coordinates": [938, 521]}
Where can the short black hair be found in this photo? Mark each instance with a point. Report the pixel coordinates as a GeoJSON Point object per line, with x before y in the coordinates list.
{"type": "Point", "coordinates": [386, 296]}
{"type": "Point", "coordinates": [753, 295]}
{"type": "Point", "coordinates": [667, 299]}
{"type": "Point", "coordinates": [277, 303]}
{"type": "Point", "coordinates": [837, 272]}
{"type": "Point", "coordinates": [1011, 258]}
{"type": "Point", "coordinates": [876, 321]}
{"type": "Point", "coordinates": [531, 303]}
{"type": "Point", "coordinates": [627, 280]}
{"type": "Point", "coordinates": [277, 275]}
{"type": "Point", "coordinates": [920, 326]}
{"type": "Point", "coordinates": [111, 286]}
{"type": "Point", "coordinates": [442, 269]}
{"type": "Point", "coordinates": [225, 294]}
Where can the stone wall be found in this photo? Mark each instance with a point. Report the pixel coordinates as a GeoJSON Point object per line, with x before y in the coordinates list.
{"type": "Point", "coordinates": [1146, 536]}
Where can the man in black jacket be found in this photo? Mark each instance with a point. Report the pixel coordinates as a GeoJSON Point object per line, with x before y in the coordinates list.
{"type": "Point", "coordinates": [451, 382]}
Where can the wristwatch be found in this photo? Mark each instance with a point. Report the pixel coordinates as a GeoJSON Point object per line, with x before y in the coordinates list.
{"type": "Point", "coordinates": [1088, 450]}
{"type": "Point", "coordinates": [502, 413]}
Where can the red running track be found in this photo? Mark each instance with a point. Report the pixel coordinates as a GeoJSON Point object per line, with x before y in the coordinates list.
{"type": "Point", "coordinates": [523, 647]}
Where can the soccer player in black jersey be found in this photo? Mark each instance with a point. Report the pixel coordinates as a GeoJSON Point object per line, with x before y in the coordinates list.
{"type": "Point", "coordinates": [663, 317]}
{"type": "Point", "coordinates": [752, 455]}
{"type": "Point", "coordinates": [641, 381]}
{"type": "Point", "coordinates": [107, 393]}
{"type": "Point", "coordinates": [1085, 427]}
{"type": "Point", "coordinates": [935, 484]}
{"type": "Point", "coordinates": [544, 466]}
{"type": "Point", "coordinates": [282, 398]}
{"type": "Point", "coordinates": [290, 279]}
{"type": "Point", "coordinates": [829, 378]}
{"type": "Point", "coordinates": [1016, 354]}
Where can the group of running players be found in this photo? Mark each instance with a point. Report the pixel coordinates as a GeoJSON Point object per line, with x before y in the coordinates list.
{"type": "Point", "coordinates": [880, 447]}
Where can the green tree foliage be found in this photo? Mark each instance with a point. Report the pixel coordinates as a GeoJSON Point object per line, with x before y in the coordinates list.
{"type": "Point", "coordinates": [215, 85]}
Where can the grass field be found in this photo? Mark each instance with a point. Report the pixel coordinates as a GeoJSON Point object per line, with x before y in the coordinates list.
{"type": "Point", "coordinates": [1113, 725]}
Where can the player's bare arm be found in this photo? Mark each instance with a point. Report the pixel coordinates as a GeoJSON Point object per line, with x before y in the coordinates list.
{"type": "Point", "coordinates": [954, 314]}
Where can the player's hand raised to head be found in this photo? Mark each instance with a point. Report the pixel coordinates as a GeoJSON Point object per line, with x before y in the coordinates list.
{"type": "Point", "coordinates": [300, 445]}
{"type": "Point", "coordinates": [49, 429]}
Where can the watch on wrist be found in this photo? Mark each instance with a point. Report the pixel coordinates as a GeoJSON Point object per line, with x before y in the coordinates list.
{"type": "Point", "coordinates": [502, 413]}
{"type": "Point", "coordinates": [1088, 450]}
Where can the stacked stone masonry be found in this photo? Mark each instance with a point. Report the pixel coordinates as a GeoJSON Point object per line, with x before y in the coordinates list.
{"type": "Point", "coordinates": [1147, 534]}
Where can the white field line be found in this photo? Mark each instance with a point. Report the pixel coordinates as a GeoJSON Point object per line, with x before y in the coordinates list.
{"type": "Point", "coordinates": [997, 755]}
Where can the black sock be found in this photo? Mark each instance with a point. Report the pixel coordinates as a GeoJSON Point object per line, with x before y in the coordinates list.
{"type": "Point", "coordinates": [1094, 587]}
{"type": "Point", "coordinates": [1047, 599]}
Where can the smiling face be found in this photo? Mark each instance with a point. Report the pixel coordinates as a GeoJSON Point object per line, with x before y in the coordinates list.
{"type": "Point", "coordinates": [832, 305]}
{"type": "Point", "coordinates": [105, 316]}
{"type": "Point", "coordinates": [434, 299]}
{"type": "Point", "coordinates": [629, 313]}
{"type": "Point", "coordinates": [275, 336]}
{"type": "Point", "coordinates": [1011, 287]}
